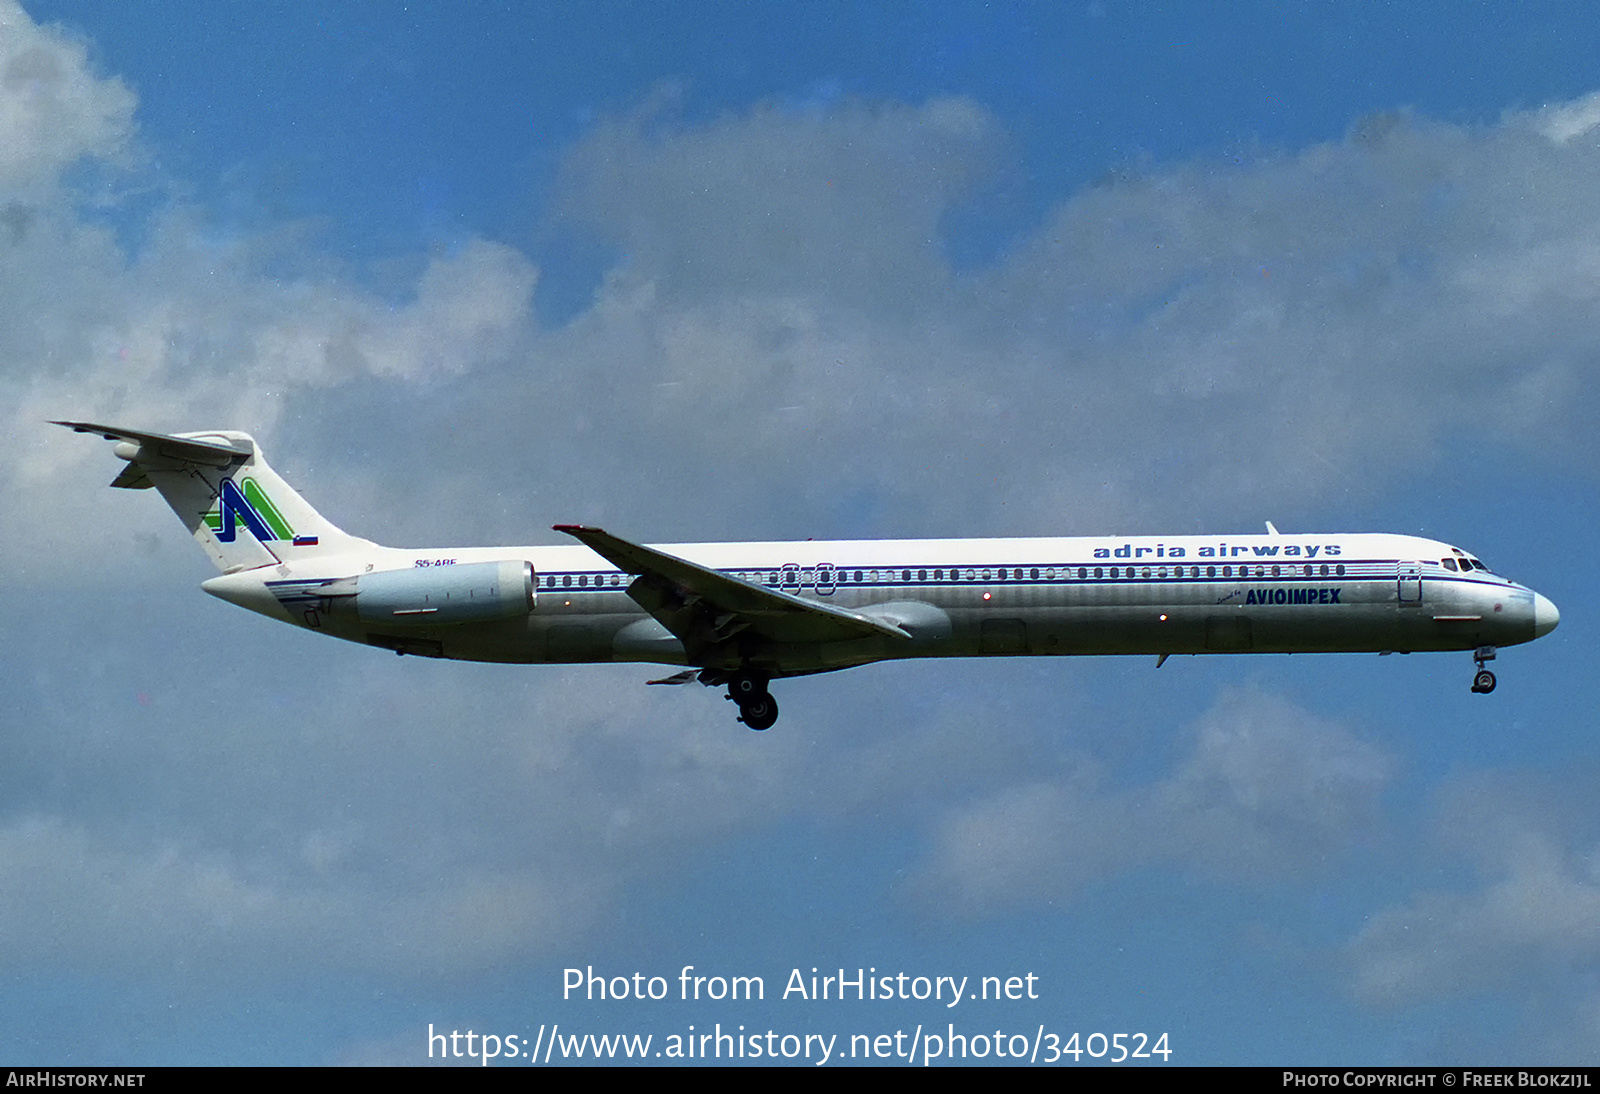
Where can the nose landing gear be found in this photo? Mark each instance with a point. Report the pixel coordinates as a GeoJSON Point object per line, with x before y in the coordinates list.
{"type": "Point", "coordinates": [1482, 679]}
{"type": "Point", "coordinates": [757, 708]}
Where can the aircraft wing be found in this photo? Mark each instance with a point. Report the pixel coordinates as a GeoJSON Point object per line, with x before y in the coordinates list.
{"type": "Point", "coordinates": [703, 607]}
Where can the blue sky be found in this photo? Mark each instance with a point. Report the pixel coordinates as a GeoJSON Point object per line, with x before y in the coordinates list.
{"type": "Point", "coordinates": [767, 272]}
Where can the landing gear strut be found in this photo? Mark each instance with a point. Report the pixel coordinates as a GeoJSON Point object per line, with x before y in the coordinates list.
{"type": "Point", "coordinates": [757, 708]}
{"type": "Point", "coordinates": [1482, 679]}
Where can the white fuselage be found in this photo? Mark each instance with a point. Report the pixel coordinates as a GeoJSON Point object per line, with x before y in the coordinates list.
{"type": "Point", "coordinates": [955, 598]}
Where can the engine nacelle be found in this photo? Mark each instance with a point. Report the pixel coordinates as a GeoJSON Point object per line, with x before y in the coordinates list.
{"type": "Point", "coordinates": [436, 596]}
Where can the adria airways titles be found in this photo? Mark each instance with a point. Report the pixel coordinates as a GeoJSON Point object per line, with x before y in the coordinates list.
{"type": "Point", "coordinates": [743, 614]}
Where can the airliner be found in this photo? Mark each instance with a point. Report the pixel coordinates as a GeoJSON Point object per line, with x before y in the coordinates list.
{"type": "Point", "coordinates": [740, 615]}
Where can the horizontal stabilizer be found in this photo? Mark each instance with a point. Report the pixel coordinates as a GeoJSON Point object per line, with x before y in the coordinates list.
{"type": "Point", "coordinates": [219, 452]}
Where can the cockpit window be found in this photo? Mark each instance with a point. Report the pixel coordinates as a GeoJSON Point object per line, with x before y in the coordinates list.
{"type": "Point", "coordinates": [1448, 563]}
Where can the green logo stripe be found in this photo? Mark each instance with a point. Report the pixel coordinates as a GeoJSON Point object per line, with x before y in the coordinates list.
{"type": "Point", "coordinates": [269, 512]}
{"type": "Point", "coordinates": [257, 499]}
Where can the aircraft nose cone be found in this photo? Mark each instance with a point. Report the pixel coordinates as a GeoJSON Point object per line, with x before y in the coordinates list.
{"type": "Point", "coordinates": [1545, 616]}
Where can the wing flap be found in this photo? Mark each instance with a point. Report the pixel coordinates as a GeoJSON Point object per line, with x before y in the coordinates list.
{"type": "Point", "coordinates": [703, 607]}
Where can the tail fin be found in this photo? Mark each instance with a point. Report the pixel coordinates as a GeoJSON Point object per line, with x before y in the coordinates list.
{"type": "Point", "coordinates": [219, 484]}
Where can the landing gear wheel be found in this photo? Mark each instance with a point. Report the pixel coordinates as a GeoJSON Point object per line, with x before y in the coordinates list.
{"type": "Point", "coordinates": [759, 713]}
{"type": "Point", "coordinates": [743, 688]}
{"type": "Point", "coordinates": [1483, 679]}
{"type": "Point", "coordinates": [757, 709]}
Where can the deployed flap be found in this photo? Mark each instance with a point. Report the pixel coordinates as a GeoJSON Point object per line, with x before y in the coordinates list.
{"type": "Point", "coordinates": [703, 607]}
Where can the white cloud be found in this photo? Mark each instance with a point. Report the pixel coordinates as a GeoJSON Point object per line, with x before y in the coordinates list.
{"type": "Point", "coordinates": [1563, 122]}
{"type": "Point", "coordinates": [784, 350]}
{"type": "Point", "coordinates": [1268, 789]}
{"type": "Point", "coordinates": [183, 340]}
{"type": "Point", "coordinates": [1529, 918]}
{"type": "Point", "coordinates": [54, 111]}
{"type": "Point", "coordinates": [1195, 344]}
{"type": "Point", "coordinates": [841, 204]}
{"type": "Point", "coordinates": [94, 901]}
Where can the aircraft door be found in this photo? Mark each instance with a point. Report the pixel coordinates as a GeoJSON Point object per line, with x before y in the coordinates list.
{"type": "Point", "coordinates": [1410, 584]}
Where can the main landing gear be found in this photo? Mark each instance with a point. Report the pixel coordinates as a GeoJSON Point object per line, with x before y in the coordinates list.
{"type": "Point", "coordinates": [1482, 679]}
{"type": "Point", "coordinates": [757, 708]}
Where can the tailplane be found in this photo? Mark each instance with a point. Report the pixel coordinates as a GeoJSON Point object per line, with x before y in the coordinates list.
{"type": "Point", "coordinates": [234, 504]}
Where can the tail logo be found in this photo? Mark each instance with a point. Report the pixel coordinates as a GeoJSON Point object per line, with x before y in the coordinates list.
{"type": "Point", "coordinates": [252, 506]}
